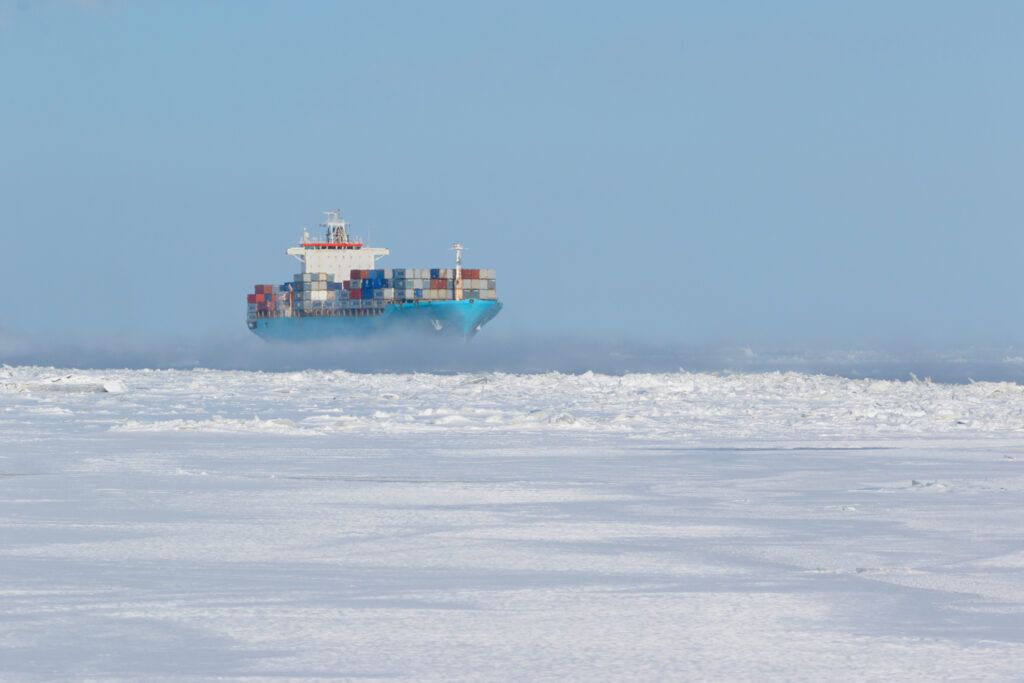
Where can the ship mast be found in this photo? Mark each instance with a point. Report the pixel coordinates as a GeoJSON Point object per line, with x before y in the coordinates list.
{"type": "Point", "coordinates": [458, 270]}
{"type": "Point", "coordinates": [337, 229]}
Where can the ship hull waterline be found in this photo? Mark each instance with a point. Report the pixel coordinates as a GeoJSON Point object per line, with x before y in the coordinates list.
{"type": "Point", "coordinates": [449, 318]}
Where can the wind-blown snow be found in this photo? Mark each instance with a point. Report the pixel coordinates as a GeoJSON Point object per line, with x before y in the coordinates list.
{"type": "Point", "coordinates": [192, 524]}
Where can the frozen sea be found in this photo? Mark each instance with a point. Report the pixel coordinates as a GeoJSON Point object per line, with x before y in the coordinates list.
{"type": "Point", "coordinates": [183, 525]}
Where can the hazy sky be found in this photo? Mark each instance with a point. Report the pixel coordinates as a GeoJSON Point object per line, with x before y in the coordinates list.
{"type": "Point", "coordinates": [731, 171]}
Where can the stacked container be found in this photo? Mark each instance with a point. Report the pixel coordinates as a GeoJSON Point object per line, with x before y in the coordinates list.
{"type": "Point", "coordinates": [367, 292]}
{"type": "Point", "coordinates": [420, 284]}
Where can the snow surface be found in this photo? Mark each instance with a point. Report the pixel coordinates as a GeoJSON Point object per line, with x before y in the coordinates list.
{"type": "Point", "coordinates": [329, 525]}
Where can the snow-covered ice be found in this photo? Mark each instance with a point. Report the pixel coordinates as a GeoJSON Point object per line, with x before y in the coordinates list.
{"type": "Point", "coordinates": [244, 525]}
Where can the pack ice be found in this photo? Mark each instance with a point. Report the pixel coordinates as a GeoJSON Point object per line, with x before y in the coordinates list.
{"type": "Point", "coordinates": [167, 525]}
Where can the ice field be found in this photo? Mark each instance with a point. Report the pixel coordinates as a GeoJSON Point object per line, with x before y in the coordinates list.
{"type": "Point", "coordinates": [164, 525]}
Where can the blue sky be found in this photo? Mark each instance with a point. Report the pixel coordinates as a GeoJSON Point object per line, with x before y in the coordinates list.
{"type": "Point", "coordinates": [722, 171]}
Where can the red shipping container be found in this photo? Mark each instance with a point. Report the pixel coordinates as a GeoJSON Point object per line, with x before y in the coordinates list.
{"type": "Point", "coordinates": [355, 274]}
{"type": "Point", "coordinates": [364, 274]}
{"type": "Point", "coordinates": [345, 284]}
{"type": "Point", "coordinates": [355, 294]}
{"type": "Point", "coordinates": [471, 273]}
{"type": "Point", "coordinates": [251, 298]}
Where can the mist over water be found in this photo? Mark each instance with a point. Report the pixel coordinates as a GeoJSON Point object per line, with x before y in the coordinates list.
{"type": "Point", "coordinates": [518, 354]}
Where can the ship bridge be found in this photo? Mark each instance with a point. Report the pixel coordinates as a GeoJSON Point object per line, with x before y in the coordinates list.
{"type": "Point", "coordinates": [336, 253]}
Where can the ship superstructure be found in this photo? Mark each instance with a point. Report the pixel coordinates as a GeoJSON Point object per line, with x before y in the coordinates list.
{"type": "Point", "coordinates": [341, 292]}
{"type": "Point", "coordinates": [336, 254]}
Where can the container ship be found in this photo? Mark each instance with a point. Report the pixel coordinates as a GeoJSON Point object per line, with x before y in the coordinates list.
{"type": "Point", "coordinates": [341, 293]}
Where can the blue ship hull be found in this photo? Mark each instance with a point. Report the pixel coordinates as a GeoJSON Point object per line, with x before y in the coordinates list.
{"type": "Point", "coordinates": [460, 318]}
